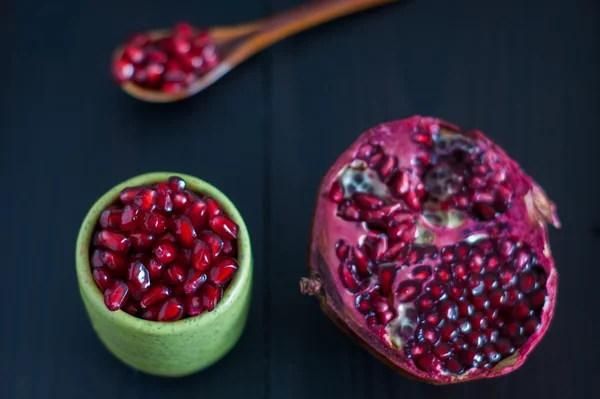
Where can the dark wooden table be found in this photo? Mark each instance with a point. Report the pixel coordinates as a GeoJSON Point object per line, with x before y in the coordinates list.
{"type": "Point", "coordinates": [526, 72]}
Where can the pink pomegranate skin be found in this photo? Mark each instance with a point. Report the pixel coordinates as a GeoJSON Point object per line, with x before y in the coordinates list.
{"type": "Point", "coordinates": [523, 220]}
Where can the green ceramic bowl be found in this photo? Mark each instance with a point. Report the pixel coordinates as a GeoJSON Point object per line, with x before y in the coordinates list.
{"type": "Point", "coordinates": [168, 349]}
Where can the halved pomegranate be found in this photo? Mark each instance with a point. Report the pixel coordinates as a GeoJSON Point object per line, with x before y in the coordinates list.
{"type": "Point", "coordinates": [429, 246]}
{"type": "Point", "coordinates": [169, 64]}
{"type": "Point", "coordinates": [164, 252]}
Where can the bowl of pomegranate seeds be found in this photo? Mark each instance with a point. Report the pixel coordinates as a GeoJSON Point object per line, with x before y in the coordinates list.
{"type": "Point", "coordinates": [164, 267]}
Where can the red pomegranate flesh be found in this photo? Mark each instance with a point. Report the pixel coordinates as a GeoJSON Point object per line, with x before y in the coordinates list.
{"type": "Point", "coordinates": [429, 246]}
{"type": "Point", "coordinates": [163, 252]}
{"type": "Point", "coordinates": [170, 64]}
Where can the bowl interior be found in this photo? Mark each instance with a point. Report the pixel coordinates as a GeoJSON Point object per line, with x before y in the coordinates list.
{"type": "Point", "coordinates": [96, 298]}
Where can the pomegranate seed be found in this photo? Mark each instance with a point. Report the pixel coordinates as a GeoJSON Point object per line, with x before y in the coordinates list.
{"type": "Point", "coordinates": [448, 332]}
{"type": "Point", "coordinates": [153, 222]}
{"type": "Point", "coordinates": [110, 218]}
{"type": "Point", "coordinates": [223, 270]}
{"type": "Point", "coordinates": [366, 201]}
{"type": "Point", "coordinates": [512, 295]}
{"type": "Point", "coordinates": [129, 217]}
{"type": "Point", "coordinates": [349, 211]}
{"type": "Point", "coordinates": [214, 241]}
{"type": "Point", "coordinates": [459, 345]}
{"type": "Point", "coordinates": [175, 274]}
{"type": "Point", "coordinates": [138, 274]}
{"type": "Point", "coordinates": [388, 166]}
{"type": "Point", "coordinates": [520, 310]}
{"type": "Point", "coordinates": [363, 265]}
{"type": "Point", "coordinates": [408, 290]}
{"type": "Point", "coordinates": [491, 334]}
{"type": "Point", "coordinates": [436, 289]}
{"type": "Point", "coordinates": [165, 252]}
{"type": "Point", "coordinates": [480, 302]}
{"type": "Point", "coordinates": [154, 268]}
{"type": "Point", "coordinates": [537, 298]}
{"type": "Point", "coordinates": [428, 333]}
{"type": "Point", "coordinates": [348, 276]}
{"type": "Point", "coordinates": [172, 87]}
{"type": "Point", "coordinates": [454, 366]}
{"type": "Point", "coordinates": [122, 70]}
{"type": "Point", "coordinates": [181, 202]}
{"type": "Point", "coordinates": [140, 240]}
{"type": "Point", "coordinates": [531, 325]}
{"type": "Point", "coordinates": [418, 348]}
{"type": "Point", "coordinates": [151, 313]}
{"type": "Point", "coordinates": [154, 72]}
{"type": "Point", "coordinates": [395, 250]}
{"type": "Point", "coordinates": [478, 321]}
{"type": "Point", "coordinates": [128, 194]}
{"type": "Point", "coordinates": [497, 298]}
{"type": "Point", "coordinates": [212, 207]}
{"type": "Point", "coordinates": [464, 309]}
{"type": "Point", "coordinates": [504, 346]}
{"type": "Point", "coordinates": [336, 194]}
{"type": "Point", "coordinates": [163, 198]}
{"type": "Point", "coordinates": [102, 278]}
{"type": "Point", "coordinates": [363, 303]}
{"type": "Point", "coordinates": [202, 256]}
{"type": "Point", "coordinates": [134, 54]}
{"type": "Point", "coordinates": [428, 363]}
{"type": "Point", "coordinates": [447, 310]}
{"type": "Point", "coordinates": [132, 307]}
{"type": "Point", "coordinates": [421, 273]}
{"type": "Point", "coordinates": [224, 227]}
{"type": "Point", "coordinates": [184, 30]}
{"type": "Point", "coordinates": [114, 241]}
{"type": "Point", "coordinates": [211, 294]}
{"type": "Point", "coordinates": [97, 258]}
{"type": "Point", "coordinates": [197, 214]}
{"type": "Point", "coordinates": [145, 199]}
{"type": "Point", "coordinates": [433, 319]}
{"type": "Point", "coordinates": [194, 280]}
{"type": "Point", "coordinates": [182, 227]}
{"type": "Point", "coordinates": [155, 295]}
{"type": "Point", "coordinates": [522, 258]}
{"type": "Point", "coordinates": [167, 237]}
{"type": "Point", "coordinates": [425, 303]}
{"type": "Point", "coordinates": [194, 305]}
{"type": "Point", "coordinates": [413, 200]}
{"type": "Point", "coordinates": [475, 284]}
{"type": "Point", "coordinates": [526, 282]}
{"type": "Point", "coordinates": [171, 310]}
{"type": "Point", "coordinates": [116, 295]}
{"type": "Point", "coordinates": [456, 291]}
{"type": "Point", "coordinates": [341, 249]}
{"type": "Point", "coordinates": [115, 262]}
{"type": "Point", "coordinates": [442, 351]}
{"type": "Point", "coordinates": [138, 39]}
{"type": "Point", "coordinates": [443, 273]}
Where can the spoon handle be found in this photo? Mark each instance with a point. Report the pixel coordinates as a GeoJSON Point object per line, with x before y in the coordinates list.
{"type": "Point", "coordinates": [273, 29]}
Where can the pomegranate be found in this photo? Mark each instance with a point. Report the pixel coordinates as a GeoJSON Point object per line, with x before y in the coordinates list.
{"type": "Point", "coordinates": [163, 252]}
{"type": "Point", "coordinates": [168, 64]}
{"type": "Point", "coordinates": [429, 246]}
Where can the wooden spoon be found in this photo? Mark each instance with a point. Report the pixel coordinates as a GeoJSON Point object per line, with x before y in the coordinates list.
{"type": "Point", "coordinates": [236, 44]}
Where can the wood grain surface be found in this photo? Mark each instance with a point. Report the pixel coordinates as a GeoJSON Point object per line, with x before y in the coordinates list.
{"type": "Point", "coordinates": [525, 72]}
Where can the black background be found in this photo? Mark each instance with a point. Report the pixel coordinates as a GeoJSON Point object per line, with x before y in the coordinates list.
{"type": "Point", "coordinates": [525, 72]}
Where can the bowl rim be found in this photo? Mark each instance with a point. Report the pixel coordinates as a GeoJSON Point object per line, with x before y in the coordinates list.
{"type": "Point", "coordinates": [90, 290]}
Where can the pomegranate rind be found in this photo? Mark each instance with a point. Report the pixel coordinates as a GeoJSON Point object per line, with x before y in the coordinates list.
{"type": "Point", "coordinates": [178, 348]}
{"type": "Point", "coordinates": [337, 303]}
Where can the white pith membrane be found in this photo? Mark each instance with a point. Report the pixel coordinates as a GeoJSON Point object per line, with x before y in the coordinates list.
{"type": "Point", "coordinates": [437, 224]}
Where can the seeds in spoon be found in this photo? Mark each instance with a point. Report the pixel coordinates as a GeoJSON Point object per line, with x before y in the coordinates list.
{"type": "Point", "coordinates": [170, 64]}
